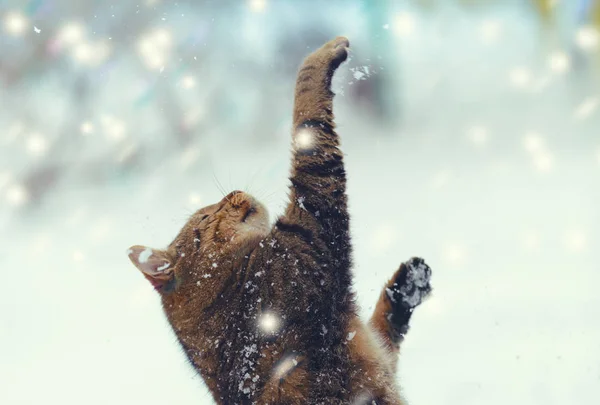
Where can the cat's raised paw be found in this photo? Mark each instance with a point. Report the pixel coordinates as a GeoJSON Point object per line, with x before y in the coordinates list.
{"type": "Point", "coordinates": [333, 53]}
{"type": "Point", "coordinates": [339, 42]}
{"type": "Point", "coordinates": [411, 284]}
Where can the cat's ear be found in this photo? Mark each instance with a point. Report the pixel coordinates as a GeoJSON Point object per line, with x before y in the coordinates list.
{"type": "Point", "coordinates": [155, 264]}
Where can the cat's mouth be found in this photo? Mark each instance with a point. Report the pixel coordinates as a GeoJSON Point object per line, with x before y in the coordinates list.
{"type": "Point", "coordinates": [256, 222]}
{"type": "Point", "coordinates": [249, 212]}
{"type": "Point", "coordinates": [255, 218]}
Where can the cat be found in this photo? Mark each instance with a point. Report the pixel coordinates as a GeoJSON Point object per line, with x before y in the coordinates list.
{"type": "Point", "coordinates": [266, 314]}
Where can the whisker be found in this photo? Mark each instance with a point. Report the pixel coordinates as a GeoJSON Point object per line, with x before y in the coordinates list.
{"type": "Point", "coordinates": [262, 194]}
{"type": "Point", "coordinates": [219, 185]}
{"type": "Point", "coordinates": [269, 196]}
{"type": "Point", "coordinates": [250, 182]}
{"type": "Point", "coordinates": [230, 186]}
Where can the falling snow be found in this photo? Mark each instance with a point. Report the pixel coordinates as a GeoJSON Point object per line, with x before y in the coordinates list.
{"type": "Point", "coordinates": [301, 203]}
{"type": "Point", "coordinates": [304, 139]}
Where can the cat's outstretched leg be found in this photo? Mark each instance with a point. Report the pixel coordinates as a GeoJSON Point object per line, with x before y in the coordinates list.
{"type": "Point", "coordinates": [407, 288]}
{"type": "Point", "coordinates": [313, 96]}
{"type": "Point", "coordinates": [318, 209]}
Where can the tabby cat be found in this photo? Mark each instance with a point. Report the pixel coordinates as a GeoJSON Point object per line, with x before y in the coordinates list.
{"type": "Point", "coordinates": [265, 313]}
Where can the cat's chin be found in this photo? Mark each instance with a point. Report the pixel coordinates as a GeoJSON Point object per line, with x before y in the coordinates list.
{"type": "Point", "coordinates": [256, 224]}
{"type": "Point", "coordinates": [254, 229]}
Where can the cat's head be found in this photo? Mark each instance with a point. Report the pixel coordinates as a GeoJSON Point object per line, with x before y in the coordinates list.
{"type": "Point", "coordinates": [213, 235]}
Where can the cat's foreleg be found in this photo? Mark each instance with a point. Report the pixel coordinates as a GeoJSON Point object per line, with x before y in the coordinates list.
{"type": "Point", "coordinates": [407, 288]}
{"type": "Point", "coordinates": [318, 181]}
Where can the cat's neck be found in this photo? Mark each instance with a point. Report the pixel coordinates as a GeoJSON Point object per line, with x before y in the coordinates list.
{"type": "Point", "coordinates": [211, 331]}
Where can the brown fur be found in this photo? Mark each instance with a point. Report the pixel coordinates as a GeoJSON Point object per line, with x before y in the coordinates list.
{"type": "Point", "coordinates": [227, 275]}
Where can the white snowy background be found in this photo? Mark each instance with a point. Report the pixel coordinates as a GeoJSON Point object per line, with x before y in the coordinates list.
{"type": "Point", "coordinates": [478, 149]}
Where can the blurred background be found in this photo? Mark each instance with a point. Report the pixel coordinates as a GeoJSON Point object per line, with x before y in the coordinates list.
{"type": "Point", "coordinates": [471, 133]}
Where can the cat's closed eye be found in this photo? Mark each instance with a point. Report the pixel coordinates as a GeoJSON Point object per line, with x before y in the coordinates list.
{"type": "Point", "coordinates": [203, 217]}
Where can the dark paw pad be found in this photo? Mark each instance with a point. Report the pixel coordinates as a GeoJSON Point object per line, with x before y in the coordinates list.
{"type": "Point", "coordinates": [412, 284]}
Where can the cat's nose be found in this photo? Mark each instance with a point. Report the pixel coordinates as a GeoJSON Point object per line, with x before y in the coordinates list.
{"type": "Point", "coordinates": [232, 194]}
{"type": "Point", "coordinates": [229, 198]}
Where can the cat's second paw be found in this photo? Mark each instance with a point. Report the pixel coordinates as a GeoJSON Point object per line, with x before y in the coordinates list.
{"type": "Point", "coordinates": [411, 284]}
